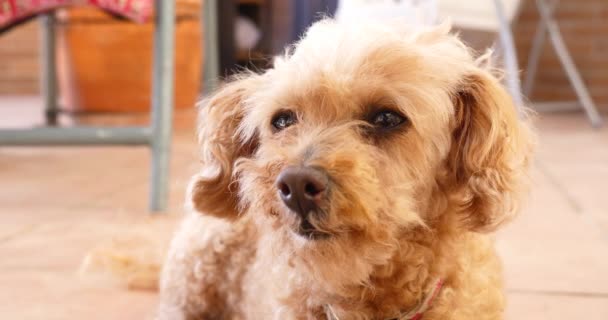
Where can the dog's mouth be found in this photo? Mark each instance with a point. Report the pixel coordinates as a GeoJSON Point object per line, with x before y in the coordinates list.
{"type": "Point", "coordinates": [308, 231]}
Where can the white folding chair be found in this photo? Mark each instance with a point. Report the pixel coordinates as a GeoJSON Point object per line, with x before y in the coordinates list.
{"type": "Point", "coordinates": [415, 12]}
{"type": "Point", "coordinates": [489, 16]}
{"type": "Point", "coordinates": [548, 25]}
{"type": "Point", "coordinates": [497, 16]}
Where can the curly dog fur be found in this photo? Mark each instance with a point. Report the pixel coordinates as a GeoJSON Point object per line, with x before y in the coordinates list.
{"type": "Point", "coordinates": [407, 206]}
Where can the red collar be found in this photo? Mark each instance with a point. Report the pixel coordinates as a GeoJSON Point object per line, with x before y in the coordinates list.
{"type": "Point", "coordinates": [418, 312]}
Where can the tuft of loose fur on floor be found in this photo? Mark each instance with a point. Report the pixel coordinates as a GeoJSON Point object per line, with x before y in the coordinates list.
{"type": "Point", "coordinates": [407, 204]}
{"type": "Point", "coordinates": [132, 256]}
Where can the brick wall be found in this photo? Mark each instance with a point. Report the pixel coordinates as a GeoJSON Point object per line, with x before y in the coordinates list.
{"type": "Point", "coordinates": [19, 61]}
{"type": "Point", "coordinates": [584, 25]}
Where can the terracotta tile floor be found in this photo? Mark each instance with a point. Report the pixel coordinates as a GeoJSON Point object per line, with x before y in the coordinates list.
{"type": "Point", "coordinates": [57, 203]}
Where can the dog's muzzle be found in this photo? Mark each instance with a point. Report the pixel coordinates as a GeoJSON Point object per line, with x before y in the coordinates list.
{"type": "Point", "coordinates": [303, 189]}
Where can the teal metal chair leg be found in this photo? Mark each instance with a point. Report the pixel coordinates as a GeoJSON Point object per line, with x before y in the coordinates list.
{"type": "Point", "coordinates": [49, 69]}
{"type": "Point", "coordinates": [157, 136]}
{"type": "Point", "coordinates": [211, 54]}
{"type": "Point", "coordinates": [162, 104]}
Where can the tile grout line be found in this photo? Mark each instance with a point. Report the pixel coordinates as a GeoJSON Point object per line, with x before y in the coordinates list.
{"type": "Point", "coordinates": [570, 199]}
{"type": "Point", "coordinates": [110, 193]}
{"type": "Point", "coordinates": [23, 231]}
{"type": "Point", "coordinates": [580, 294]}
{"type": "Point", "coordinates": [575, 205]}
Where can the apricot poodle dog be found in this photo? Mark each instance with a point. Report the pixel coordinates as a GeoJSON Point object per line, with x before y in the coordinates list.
{"type": "Point", "coordinates": [356, 179]}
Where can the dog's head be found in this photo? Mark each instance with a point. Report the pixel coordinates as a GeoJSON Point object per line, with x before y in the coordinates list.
{"type": "Point", "coordinates": [361, 134]}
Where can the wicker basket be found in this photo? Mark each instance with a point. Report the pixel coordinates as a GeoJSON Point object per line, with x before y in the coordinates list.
{"type": "Point", "coordinates": [105, 63]}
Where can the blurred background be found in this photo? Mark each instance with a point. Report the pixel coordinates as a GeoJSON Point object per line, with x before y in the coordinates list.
{"type": "Point", "coordinates": [97, 137]}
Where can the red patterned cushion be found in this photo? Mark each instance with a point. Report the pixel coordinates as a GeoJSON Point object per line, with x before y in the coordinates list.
{"type": "Point", "coordinates": [15, 11]}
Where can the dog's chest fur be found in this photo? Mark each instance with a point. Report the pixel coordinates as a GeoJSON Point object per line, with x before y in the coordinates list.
{"type": "Point", "coordinates": [279, 288]}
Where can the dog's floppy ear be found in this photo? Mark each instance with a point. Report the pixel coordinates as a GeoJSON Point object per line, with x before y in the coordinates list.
{"type": "Point", "coordinates": [490, 153]}
{"type": "Point", "coordinates": [214, 190]}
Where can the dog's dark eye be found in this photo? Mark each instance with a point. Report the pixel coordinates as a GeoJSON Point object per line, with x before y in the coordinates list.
{"type": "Point", "coordinates": [283, 120]}
{"type": "Point", "coordinates": [387, 119]}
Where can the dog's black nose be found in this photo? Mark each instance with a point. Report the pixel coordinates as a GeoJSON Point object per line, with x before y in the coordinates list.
{"type": "Point", "coordinates": [302, 189]}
